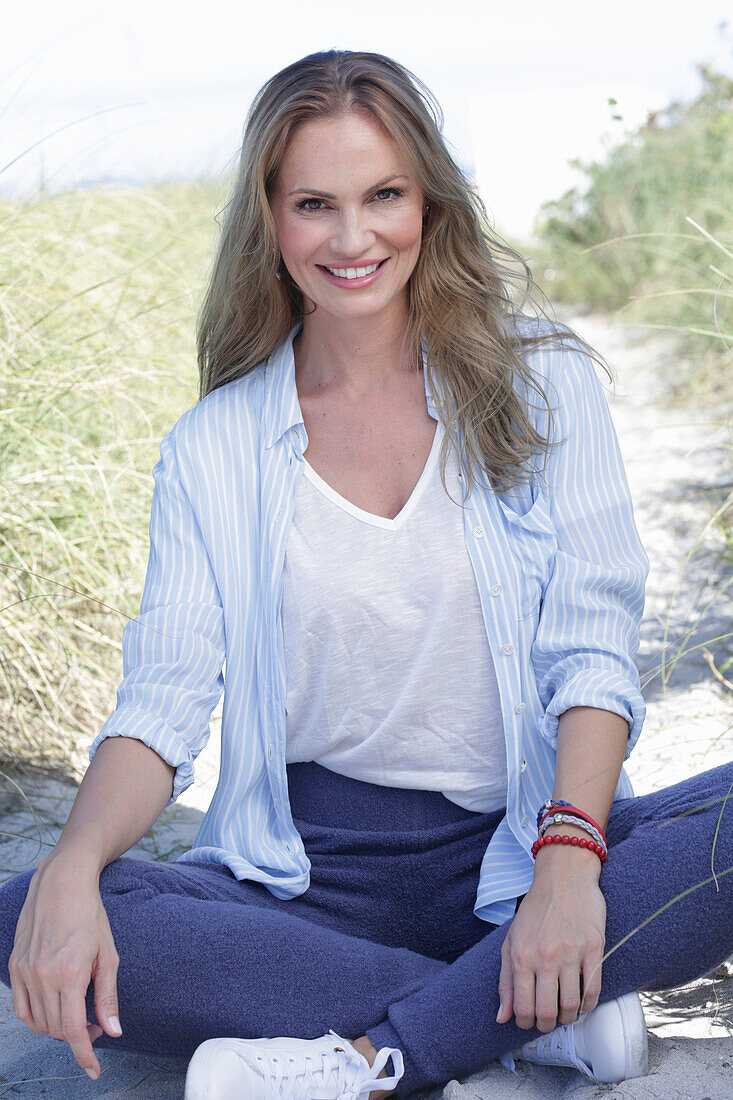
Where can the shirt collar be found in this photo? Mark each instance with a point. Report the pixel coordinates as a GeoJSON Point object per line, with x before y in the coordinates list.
{"type": "Point", "coordinates": [282, 408]}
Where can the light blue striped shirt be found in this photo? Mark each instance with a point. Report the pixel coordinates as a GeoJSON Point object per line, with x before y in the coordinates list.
{"type": "Point", "coordinates": [559, 565]}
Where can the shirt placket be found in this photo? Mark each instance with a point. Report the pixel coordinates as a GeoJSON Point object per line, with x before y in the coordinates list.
{"type": "Point", "coordinates": [292, 452]}
{"type": "Point", "coordinates": [495, 586]}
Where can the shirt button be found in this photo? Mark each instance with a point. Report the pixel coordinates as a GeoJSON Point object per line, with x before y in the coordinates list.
{"type": "Point", "coordinates": [523, 766]}
{"type": "Point", "coordinates": [478, 532]}
{"type": "Point", "coordinates": [269, 752]}
{"type": "Point", "coordinates": [524, 822]}
{"type": "Point", "coordinates": [290, 460]}
{"type": "Point", "coordinates": [520, 708]}
{"type": "Point", "coordinates": [495, 590]}
{"type": "Point", "coordinates": [287, 847]}
{"type": "Point", "coordinates": [507, 648]}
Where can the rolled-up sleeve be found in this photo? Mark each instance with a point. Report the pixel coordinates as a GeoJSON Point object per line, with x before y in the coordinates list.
{"type": "Point", "coordinates": [174, 650]}
{"type": "Point", "coordinates": [588, 632]}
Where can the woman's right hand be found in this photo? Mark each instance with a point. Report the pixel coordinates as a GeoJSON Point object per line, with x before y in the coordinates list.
{"type": "Point", "coordinates": [63, 940]}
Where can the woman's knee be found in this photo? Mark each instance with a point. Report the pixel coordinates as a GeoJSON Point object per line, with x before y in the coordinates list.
{"type": "Point", "coordinates": [709, 801]}
{"type": "Point", "coordinates": [700, 803]}
{"type": "Point", "coordinates": [123, 877]}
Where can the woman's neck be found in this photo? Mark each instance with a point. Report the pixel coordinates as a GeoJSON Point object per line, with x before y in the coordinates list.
{"type": "Point", "coordinates": [351, 356]}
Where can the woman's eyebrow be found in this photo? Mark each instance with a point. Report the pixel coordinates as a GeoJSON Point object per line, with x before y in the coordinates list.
{"type": "Point", "coordinates": [326, 195]}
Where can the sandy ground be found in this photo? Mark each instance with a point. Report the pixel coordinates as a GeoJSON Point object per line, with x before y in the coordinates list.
{"type": "Point", "coordinates": [678, 462]}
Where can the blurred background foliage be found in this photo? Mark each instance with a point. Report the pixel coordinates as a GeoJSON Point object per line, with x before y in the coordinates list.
{"type": "Point", "coordinates": [649, 236]}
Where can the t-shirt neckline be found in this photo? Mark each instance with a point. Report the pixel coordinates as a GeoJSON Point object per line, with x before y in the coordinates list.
{"type": "Point", "coordinates": [385, 522]}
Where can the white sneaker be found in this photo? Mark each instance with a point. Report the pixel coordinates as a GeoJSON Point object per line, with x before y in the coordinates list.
{"type": "Point", "coordinates": [329, 1068]}
{"type": "Point", "coordinates": [608, 1044]}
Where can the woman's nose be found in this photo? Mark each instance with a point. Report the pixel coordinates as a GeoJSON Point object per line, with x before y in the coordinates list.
{"type": "Point", "coordinates": [353, 235]}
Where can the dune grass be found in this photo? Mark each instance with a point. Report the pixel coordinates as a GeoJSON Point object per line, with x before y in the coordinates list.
{"type": "Point", "coordinates": [649, 236]}
{"type": "Point", "coordinates": [98, 360]}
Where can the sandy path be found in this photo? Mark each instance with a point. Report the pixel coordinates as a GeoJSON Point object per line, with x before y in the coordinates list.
{"type": "Point", "coordinates": [678, 462]}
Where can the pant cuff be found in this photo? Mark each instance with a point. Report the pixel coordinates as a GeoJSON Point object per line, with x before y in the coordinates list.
{"type": "Point", "coordinates": [384, 1035]}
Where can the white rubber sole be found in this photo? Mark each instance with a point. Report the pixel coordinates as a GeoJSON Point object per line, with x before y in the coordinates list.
{"type": "Point", "coordinates": [637, 1045]}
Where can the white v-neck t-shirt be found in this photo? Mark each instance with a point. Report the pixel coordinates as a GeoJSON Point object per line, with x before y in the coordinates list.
{"type": "Point", "coordinates": [389, 675]}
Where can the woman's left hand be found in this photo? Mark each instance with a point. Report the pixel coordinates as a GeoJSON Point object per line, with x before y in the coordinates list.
{"type": "Point", "coordinates": [557, 935]}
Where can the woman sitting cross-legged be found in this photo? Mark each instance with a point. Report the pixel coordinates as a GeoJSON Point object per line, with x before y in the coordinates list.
{"type": "Point", "coordinates": [399, 514]}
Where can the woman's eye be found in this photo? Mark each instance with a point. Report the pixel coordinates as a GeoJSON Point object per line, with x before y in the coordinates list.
{"type": "Point", "coordinates": [303, 205]}
{"type": "Point", "coordinates": [391, 193]}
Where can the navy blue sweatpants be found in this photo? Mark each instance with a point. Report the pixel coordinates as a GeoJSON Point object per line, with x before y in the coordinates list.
{"type": "Point", "coordinates": [385, 942]}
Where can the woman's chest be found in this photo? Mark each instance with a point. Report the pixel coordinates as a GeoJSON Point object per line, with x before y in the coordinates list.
{"type": "Point", "coordinates": [373, 458]}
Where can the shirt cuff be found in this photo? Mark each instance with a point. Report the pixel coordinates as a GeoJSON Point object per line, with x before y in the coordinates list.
{"type": "Point", "coordinates": [158, 736]}
{"type": "Point", "coordinates": [597, 687]}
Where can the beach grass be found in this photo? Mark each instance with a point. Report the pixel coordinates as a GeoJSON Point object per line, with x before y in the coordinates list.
{"type": "Point", "coordinates": [648, 236]}
{"type": "Point", "coordinates": [97, 313]}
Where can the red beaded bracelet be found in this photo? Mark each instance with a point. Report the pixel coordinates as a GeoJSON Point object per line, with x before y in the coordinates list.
{"type": "Point", "coordinates": [574, 841]}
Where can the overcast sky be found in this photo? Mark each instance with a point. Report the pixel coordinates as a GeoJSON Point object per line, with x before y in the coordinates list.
{"type": "Point", "coordinates": [169, 84]}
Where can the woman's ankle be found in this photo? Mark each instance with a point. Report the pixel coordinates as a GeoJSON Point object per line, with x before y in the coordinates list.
{"type": "Point", "coordinates": [365, 1046]}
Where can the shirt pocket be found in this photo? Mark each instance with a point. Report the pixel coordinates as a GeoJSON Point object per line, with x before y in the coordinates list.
{"type": "Point", "coordinates": [533, 542]}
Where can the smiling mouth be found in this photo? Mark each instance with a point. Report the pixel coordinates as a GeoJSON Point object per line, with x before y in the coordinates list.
{"type": "Point", "coordinates": [354, 272]}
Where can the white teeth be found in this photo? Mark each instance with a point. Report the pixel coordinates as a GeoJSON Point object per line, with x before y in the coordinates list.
{"type": "Point", "coordinates": [352, 272]}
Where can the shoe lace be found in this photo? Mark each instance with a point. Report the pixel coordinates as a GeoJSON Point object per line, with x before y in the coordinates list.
{"type": "Point", "coordinates": [355, 1079]}
{"type": "Point", "coordinates": [555, 1049]}
{"type": "Point", "coordinates": [559, 1046]}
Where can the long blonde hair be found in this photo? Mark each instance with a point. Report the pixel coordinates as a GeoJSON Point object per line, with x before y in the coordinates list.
{"type": "Point", "coordinates": [460, 292]}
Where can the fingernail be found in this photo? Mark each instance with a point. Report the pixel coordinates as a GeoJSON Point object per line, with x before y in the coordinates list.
{"type": "Point", "coordinates": [114, 1023]}
{"type": "Point", "coordinates": [93, 1074]}
{"type": "Point", "coordinates": [501, 1009]}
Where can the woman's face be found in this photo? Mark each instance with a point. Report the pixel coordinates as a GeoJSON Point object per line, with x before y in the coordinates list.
{"type": "Point", "coordinates": [345, 198]}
